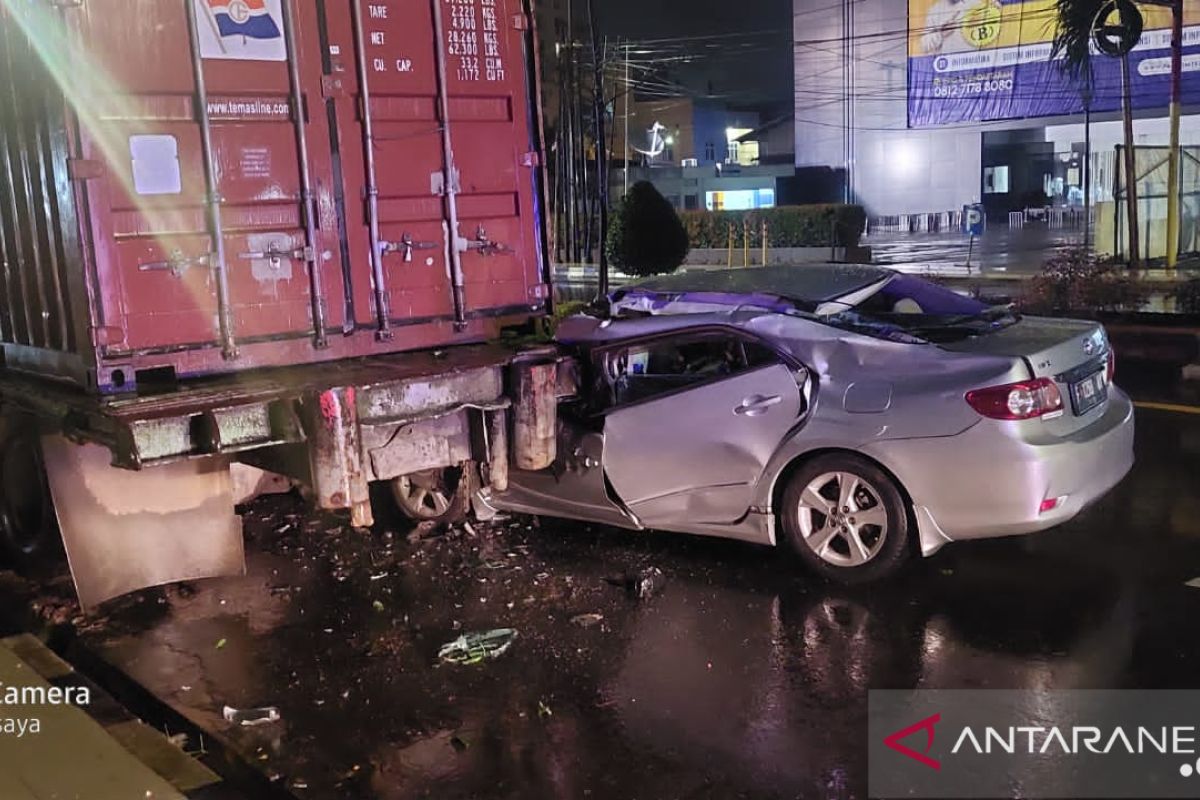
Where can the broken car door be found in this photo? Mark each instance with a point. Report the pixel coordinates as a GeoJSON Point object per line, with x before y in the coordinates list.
{"type": "Point", "coordinates": [694, 420]}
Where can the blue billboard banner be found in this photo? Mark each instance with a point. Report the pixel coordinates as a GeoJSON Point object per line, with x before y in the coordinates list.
{"type": "Point", "coordinates": [985, 60]}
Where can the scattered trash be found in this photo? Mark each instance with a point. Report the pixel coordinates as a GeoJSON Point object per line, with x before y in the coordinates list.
{"type": "Point", "coordinates": [587, 620]}
{"type": "Point", "coordinates": [643, 585]}
{"type": "Point", "coordinates": [544, 710]}
{"type": "Point", "coordinates": [469, 529]}
{"type": "Point", "coordinates": [380, 576]}
{"type": "Point", "coordinates": [180, 740]}
{"type": "Point", "coordinates": [474, 648]}
{"type": "Point", "coordinates": [1194, 583]}
{"type": "Point", "coordinates": [378, 606]}
{"type": "Point", "coordinates": [221, 643]}
{"type": "Point", "coordinates": [252, 717]}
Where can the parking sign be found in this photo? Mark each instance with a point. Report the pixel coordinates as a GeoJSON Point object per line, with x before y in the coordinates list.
{"type": "Point", "coordinates": [973, 220]}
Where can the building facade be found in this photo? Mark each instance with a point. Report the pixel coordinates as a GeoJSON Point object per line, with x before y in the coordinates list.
{"type": "Point", "coordinates": [926, 105]}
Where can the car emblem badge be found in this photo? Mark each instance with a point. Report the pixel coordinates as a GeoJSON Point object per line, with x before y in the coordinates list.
{"type": "Point", "coordinates": [1089, 346]}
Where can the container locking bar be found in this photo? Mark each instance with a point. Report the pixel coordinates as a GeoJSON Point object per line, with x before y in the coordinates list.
{"type": "Point", "coordinates": [383, 312]}
{"type": "Point", "coordinates": [309, 253]}
{"type": "Point", "coordinates": [219, 266]}
{"type": "Point", "coordinates": [449, 170]}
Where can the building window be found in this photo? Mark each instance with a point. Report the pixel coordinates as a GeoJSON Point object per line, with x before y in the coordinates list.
{"type": "Point", "coordinates": [995, 180]}
{"type": "Point", "coordinates": [691, 202]}
{"type": "Point", "coordinates": [710, 151]}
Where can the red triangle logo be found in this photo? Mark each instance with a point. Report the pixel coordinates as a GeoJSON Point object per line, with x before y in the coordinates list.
{"type": "Point", "coordinates": [894, 741]}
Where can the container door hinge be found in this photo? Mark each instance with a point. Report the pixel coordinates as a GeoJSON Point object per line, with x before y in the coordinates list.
{"type": "Point", "coordinates": [539, 291]}
{"type": "Point", "coordinates": [84, 169]}
{"type": "Point", "coordinates": [520, 22]}
{"type": "Point", "coordinates": [531, 159]}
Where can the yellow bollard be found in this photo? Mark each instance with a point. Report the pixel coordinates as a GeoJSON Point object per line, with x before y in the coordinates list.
{"type": "Point", "coordinates": [745, 242]}
{"type": "Point", "coordinates": [729, 247]}
{"type": "Point", "coordinates": [764, 242]}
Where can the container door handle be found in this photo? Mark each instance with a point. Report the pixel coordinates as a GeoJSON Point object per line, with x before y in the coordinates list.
{"type": "Point", "coordinates": [406, 245]}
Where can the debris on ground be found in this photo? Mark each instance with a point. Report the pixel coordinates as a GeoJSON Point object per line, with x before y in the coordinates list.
{"type": "Point", "coordinates": [477, 647]}
{"type": "Point", "coordinates": [587, 620]}
{"type": "Point", "coordinates": [422, 531]}
{"type": "Point", "coordinates": [643, 584]}
{"type": "Point", "coordinates": [251, 717]}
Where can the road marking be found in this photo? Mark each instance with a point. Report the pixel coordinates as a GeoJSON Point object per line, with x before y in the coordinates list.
{"type": "Point", "coordinates": [1172, 407]}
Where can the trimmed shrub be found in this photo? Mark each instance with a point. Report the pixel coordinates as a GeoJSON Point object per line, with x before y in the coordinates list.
{"type": "Point", "coordinates": [822, 225]}
{"type": "Point", "coordinates": [1074, 279]}
{"type": "Point", "coordinates": [646, 236]}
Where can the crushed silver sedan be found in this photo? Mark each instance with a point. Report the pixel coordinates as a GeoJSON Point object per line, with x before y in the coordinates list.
{"type": "Point", "coordinates": [856, 414]}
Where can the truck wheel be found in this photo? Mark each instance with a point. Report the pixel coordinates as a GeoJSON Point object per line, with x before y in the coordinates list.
{"type": "Point", "coordinates": [29, 533]}
{"type": "Point", "coordinates": [441, 496]}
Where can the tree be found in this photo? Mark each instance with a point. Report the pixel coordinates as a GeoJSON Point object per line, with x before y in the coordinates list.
{"type": "Point", "coordinates": [1077, 21]}
{"type": "Point", "coordinates": [647, 236]}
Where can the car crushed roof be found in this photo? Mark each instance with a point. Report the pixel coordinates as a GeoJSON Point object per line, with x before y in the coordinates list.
{"type": "Point", "coordinates": [805, 285]}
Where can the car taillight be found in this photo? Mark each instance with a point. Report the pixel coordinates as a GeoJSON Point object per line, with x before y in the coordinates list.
{"type": "Point", "coordinates": [1112, 364]}
{"type": "Point", "coordinates": [1024, 400]}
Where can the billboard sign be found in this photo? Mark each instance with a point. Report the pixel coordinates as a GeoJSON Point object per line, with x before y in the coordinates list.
{"type": "Point", "coordinates": [985, 60]}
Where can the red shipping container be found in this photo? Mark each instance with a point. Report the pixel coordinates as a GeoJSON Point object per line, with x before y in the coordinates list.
{"type": "Point", "coordinates": [194, 187]}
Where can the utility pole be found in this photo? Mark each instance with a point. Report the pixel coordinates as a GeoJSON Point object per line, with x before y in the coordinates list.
{"type": "Point", "coordinates": [1131, 178]}
{"type": "Point", "coordinates": [600, 109]}
{"type": "Point", "coordinates": [1173, 155]}
{"type": "Point", "coordinates": [1087, 167]}
{"type": "Point", "coordinates": [628, 91]}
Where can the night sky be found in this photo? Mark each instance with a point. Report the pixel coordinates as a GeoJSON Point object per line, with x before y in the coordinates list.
{"type": "Point", "coordinates": [745, 51]}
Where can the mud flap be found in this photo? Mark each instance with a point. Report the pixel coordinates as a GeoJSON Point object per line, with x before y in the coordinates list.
{"type": "Point", "coordinates": [125, 531]}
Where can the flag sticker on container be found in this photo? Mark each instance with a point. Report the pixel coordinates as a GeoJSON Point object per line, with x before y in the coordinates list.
{"type": "Point", "coordinates": [244, 30]}
{"type": "Point", "coordinates": [244, 18]}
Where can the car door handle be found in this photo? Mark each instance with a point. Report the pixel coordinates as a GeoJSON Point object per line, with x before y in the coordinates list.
{"type": "Point", "coordinates": [757, 405]}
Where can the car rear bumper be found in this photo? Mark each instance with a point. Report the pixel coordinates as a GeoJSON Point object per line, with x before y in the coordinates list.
{"type": "Point", "coordinates": [992, 479]}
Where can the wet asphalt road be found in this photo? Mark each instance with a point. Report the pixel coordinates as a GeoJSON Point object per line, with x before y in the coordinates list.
{"type": "Point", "coordinates": [1000, 249]}
{"type": "Point", "coordinates": [743, 677]}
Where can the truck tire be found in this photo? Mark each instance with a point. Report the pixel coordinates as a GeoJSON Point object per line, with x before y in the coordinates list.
{"type": "Point", "coordinates": [29, 536]}
{"type": "Point", "coordinates": [440, 496]}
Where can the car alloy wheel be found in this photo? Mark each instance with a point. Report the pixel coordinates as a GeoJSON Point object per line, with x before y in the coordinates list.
{"type": "Point", "coordinates": [843, 519]}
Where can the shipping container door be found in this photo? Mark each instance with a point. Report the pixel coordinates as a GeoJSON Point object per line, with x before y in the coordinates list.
{"type": "Point", "coordinates": [397, 55]}
{"type": "Point", "coordinates": [148, 174]}
{"type": "Point", "coordinates": [481, 99]}
{"type": "Point", "coordinates": [491, 129]}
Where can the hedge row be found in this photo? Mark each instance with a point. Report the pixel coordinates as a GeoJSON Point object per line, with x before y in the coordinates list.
{"type": "Point", "coordinates": [825, 225]}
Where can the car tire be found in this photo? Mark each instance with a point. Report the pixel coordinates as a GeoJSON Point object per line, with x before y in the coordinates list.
{"type": "Point", "coordinates": [29, 535]}
{"type": "Point", "coordinates": [846, 519]}
{"type": "Point", "coordinates": [440, 496]}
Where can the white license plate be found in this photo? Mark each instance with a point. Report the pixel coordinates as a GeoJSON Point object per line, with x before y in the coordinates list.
{"type": "Point", "coordinates": [1089, 393]}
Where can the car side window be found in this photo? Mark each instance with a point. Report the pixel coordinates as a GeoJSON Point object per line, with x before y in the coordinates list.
{"type": "Point", "coordinates": [648, 369]}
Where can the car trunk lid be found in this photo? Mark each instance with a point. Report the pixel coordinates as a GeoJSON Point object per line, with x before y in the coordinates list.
{"type": "Point", "coordinates": [1068, 351]}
